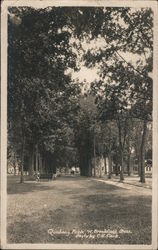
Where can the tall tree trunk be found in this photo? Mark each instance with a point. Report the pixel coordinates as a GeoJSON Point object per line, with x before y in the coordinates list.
{"type": "Point", "coordinates": [36, 157]}
{"type": "Point", "coordinates": [121, 146]}
{"type": "Point", "coordinates": [105, 165]}
{"type": "Point", "coordinates": [89, 172]}
{"type": "Point", "coordinates": [40, 163]}
{"type": "Point", "coordinates": [88, 165]}
{"type": "Point", "coordinates": [94, 157]}
{"type": "Point", "coordinates": [22, 160]}
{"type": "Point", "coordinates": [31, 165]}
{"type": "Point", "coordinates": [54, 164]}
{"type": "Point", "coordinates": [82, 165]}
{"type": "Point", "coordinates": [14, 163]}
{"type": "Point", "coordinates": [129, 164]}
{"type": "Point", "coordinates": [85, 163]}
{"type": "Point", "coordinates": [142, 152]}
{"type": "Point", "coordinates": [43, 170]}
{"type": "Point", "coordinates": [116, 170]}
{"type": "Point", "coordinates": [139, 165]}
{"type": "Point", "coordinates": [122, 166]}
{"type": "Point", "coordinates": [110, 166]}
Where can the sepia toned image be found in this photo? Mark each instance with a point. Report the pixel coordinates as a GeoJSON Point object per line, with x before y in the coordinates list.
{"type": "Point", "coordinates": [79, 113]}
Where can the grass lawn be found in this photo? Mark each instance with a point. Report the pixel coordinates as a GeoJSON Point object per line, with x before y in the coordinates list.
{"type": "Point", "coordinates": [77, 210]}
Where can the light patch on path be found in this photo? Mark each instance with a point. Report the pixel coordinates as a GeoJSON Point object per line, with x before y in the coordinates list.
{"type": "Point", "coordinates": [133, 188]}
{"type": "Point", "coordinates": [118, 184]}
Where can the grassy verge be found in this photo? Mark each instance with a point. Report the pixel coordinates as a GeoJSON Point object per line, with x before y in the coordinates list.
{"type": "Point", "coordinates": [75, 210]}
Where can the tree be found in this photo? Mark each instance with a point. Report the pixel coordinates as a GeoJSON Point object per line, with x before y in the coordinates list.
{"type": "Point", "coordinates": [108, 137]}
{"type": "Point", "coordinates": [126, 31]}
{"type": "Point", "coordinates": [86, 133]}
{"type": "Point", "coordinates": [42, 97]}
{"type": "Point", "coordinates": [39, 91]}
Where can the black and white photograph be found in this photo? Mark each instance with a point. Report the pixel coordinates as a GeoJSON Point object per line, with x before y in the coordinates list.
{"type": "Point", "coordinates": [79, 125]}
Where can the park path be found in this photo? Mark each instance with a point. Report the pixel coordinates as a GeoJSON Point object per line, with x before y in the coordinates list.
{"type": "Point", "coordinates": [40, 212]}
{"type": "Point", "coordinates": [132, 184]}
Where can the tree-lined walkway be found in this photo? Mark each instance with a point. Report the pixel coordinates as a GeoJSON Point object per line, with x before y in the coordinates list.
{"type": "Point", "coordinates": [49, 108]}
{"type": "Point", "coordinates": [77, 210]}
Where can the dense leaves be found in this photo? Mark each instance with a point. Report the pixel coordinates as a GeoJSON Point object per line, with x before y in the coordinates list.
{"type": "Point", "coordinates": [43, 99]}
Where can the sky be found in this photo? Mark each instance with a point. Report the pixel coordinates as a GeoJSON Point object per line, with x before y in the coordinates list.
{"type": "Point", "coordinates": [86, 74]}
{"type": "Point", "coordinates": [91, 74]}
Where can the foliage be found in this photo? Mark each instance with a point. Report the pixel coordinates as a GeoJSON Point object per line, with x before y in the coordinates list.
{"type": "Point", "coordinates": [124, 90]}
{"type": "Point", "coordinates": [43, 100]}
{"type": "Point", "coordinates": [39, 92]}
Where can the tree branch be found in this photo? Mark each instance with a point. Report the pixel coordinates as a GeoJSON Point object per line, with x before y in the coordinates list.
{"type": "Point", "coordinates": [129, 64]}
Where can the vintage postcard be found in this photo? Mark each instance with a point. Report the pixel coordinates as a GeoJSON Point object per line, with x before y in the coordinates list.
{"type": "Point", "coordinates": [79, 124]}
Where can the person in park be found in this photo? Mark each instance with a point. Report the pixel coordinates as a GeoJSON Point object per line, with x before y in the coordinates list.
{"type": "Point", "coordinates": [37, 176]}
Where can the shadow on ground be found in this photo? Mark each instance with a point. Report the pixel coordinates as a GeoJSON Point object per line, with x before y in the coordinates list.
{"type": "Point", "coordinates": [15, 187]}
{"type": "Point", "coordinates": [79, 204]}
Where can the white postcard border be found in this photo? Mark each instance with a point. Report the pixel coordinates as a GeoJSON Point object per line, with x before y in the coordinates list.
{"type": "Point", "coordinates": [97, 3]}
